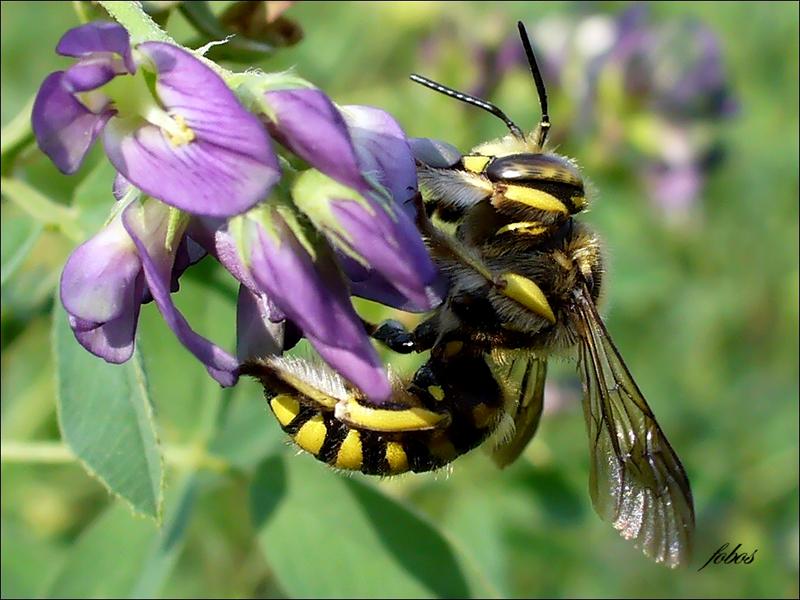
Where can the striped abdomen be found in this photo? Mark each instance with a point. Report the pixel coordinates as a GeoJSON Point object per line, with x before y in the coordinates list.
{"type": "Point", "coordinates": [318, 432]}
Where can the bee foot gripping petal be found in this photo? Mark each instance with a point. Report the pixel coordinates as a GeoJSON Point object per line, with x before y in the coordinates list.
{"type": "Point", "coordinates": [527, 293]}
{"type": "Point", "coordinates": [355, 414]}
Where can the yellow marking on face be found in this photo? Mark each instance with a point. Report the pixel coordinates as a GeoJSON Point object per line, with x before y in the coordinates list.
{"type": "Point", "coordinates": [437, 392]}
{"type": "Point", "coordinates": [526, 227]}
{"type": "Point", "coordinates": [312, 434]}
{"type": "Point", "coordinates": [377, 419]}
{"type": "Point", "coordinates": [527, 293]}
{"type": "Point", "coordinates": [483, 415]}
{"type": "Point", "coordinates": [285, 408]}
{"type": "Point", "coordinates": [441, 447]}
{"type": "Point", "coordinates": [579, 202]}
{"type": "Point", "coordinates": [476, 163]}
{"type": "Point", "coordinates": [350, 454]}
{"type": "Point", "coordinates": [535, 198]}
{"type": "Point", "coordinates": [396, 457]}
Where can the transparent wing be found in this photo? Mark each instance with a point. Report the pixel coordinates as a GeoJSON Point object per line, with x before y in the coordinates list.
{"type": "Point", "coordinates": [637, 481]}
{"type": "Point", "coordinates": [523, 378]}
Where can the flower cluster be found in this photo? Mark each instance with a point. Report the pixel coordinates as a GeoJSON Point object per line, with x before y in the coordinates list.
{"type": "Point", "coordinates": [198, 175]}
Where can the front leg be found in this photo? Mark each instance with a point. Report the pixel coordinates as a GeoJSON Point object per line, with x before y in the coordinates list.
{"type": "Point", "coordinates": [395, 336]}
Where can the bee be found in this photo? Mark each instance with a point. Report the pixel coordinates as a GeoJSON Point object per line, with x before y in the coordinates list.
{"type": "Point", "coordinates": [524, 277]}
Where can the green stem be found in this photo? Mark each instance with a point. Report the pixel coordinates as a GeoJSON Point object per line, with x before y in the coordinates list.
{"type": "Point", "coordinates": [47, 212]}
{"type": "Point", "coordinates": [183, 457]}
{"type": "Point", "coordinates": [138, 23]}
{"type": "Point", "coordinates": [15, 137]}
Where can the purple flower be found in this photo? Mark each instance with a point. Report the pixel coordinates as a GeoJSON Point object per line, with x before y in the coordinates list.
{"type": "Point", "coordinates": [108, 277]}
{"type": "Point", "coordinates": [293, 274]}
{"type": "Point", "coordinates": [184, 138]}
{"type": "Point", "coordinates": [360, 194]}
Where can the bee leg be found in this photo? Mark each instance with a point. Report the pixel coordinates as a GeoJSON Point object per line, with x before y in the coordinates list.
{"type": "Point", "coordinates": [394, 335]}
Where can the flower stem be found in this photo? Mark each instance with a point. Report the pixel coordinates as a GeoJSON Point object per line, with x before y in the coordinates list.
{"type": "Point", "coordinates": [138, 23]}
{"type": "Point", "coordinates": [49, 452]}
{"type": "Point", "coordinates": [43, 209]}
{"type": "Point", "coordinates": [15, 137]}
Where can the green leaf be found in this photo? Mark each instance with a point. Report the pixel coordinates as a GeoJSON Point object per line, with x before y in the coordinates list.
{"type": "Point", "coordinates": [325, 535]}
{"type": "Point", "coordinates": [19, 234]}
{"type": "Point", "coordinates": [106, 419]}
{"type": "Point", "coordinates": [121, 556]}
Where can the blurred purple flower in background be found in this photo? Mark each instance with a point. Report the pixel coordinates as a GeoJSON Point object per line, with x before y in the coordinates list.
{"type": "Point", "coordinates": [198, 174]}
{"type": "Point", "coordinates": [628, 87]}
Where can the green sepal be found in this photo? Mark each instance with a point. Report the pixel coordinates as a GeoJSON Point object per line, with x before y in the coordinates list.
{"type": "Point", "coordinates": [313, 192]}
{"type": "Point", "coordinates": [251, 88]}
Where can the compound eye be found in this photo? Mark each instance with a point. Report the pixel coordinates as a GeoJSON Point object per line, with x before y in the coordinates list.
{"type": "Point", "coordinates": [529, 168]}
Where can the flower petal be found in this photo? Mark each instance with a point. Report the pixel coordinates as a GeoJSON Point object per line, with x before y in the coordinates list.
{"type": "Point", "coordinates": [100, 274]}
{"type": "Point", "coordinates": [114, 340]}
{"type": "Point", "coordinates": [257, 335]}
{"type": "Point", "coordinates": [147, 224]}
{"type": "Point", "coordinates": [392, 247]}
{"type": "Point", "coordinates": [97, 36]}
{"type": "Point", "coordinates": [226, 169]}
{"type": "Point", "coordinates": [369, 284]}
{"type": "Point", "coordinates": [309, 125]}
{"type": "Point", "coordinates": [312, 294]}
{"type": "Point", "coordinates": [383, 152]}
{"type": "Point", "coordinates": [65, 129]}
{"type": "Point", "coordinates": [90, 73]}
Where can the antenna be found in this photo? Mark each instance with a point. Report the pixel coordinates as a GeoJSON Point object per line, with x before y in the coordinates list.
{"type": "Point", "coordinates": [487, 106]}
{"type": "Point", "coordinates": [544, 124]}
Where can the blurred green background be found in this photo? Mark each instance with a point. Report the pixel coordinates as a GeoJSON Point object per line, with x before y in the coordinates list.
{"type": "Point", "coordinates": [703, 303]}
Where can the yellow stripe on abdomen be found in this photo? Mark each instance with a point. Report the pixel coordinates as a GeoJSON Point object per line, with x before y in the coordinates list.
{"type": "Point", "coordinates": [350, 454]}
{"type": "Point", "coordinates": [285, 407]}
{"type": "Point", "coordinates": [396, 457]}
{"type": "Point", "coordinates": [311, 435]}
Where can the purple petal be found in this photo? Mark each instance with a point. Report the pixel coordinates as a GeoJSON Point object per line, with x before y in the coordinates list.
{"type": "Point", "coordinates": [313, 295]}
{"type": "Point", "coordinates": [226, 169]}
{"type": "Point", "coordinates": [391, 245]}
{"type": "Point", "coordinates": [90, 73]}
{"type": "Point", "coordinates": [383, 152]}
{"type": "Point", "coordinates": [212, 235]}
{"type": "Point", "coordinates": [369, 284]}
{"type": "Point", "coordinates": [120, 187]}
{"type": "Point", "coordinates": [97, 36]}
{"type": "Point", "coordinates": [99, 277]}
{"type": "Point", "coordinates": [257, 334]}
{"type": "Point", "coordinates": [147, 227]}
{"type": "Point", "coordinates": [112, 341]}
{"type": "Point", "coordinates": [65, 129]}
{"type": "Point", "coordinates": [309, 125]}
